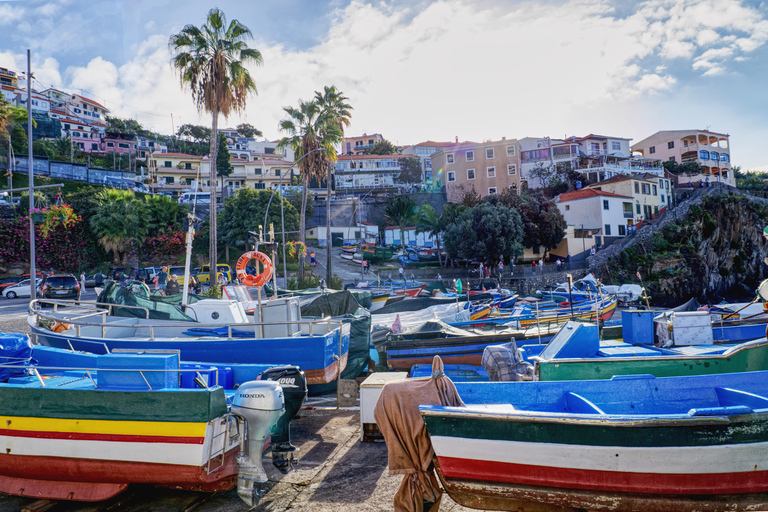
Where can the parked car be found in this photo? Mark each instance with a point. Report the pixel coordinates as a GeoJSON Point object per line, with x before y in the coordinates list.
{"type": "Point", "coordinates": [60, 286]}
{"type": "Point", "coordinates": [205, 273]}
{"type": "Point", "coordinates": [5, 282]}
{"type": "Point", "coordinates": [20, 289]}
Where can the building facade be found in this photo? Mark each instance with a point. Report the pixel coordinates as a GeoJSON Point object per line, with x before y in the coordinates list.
{"type": "Point", "coordinates": [424, 151]}
{"type": "Point", "coordinates": [606, 215]}
{"type": "Point", "coordinates": [646, 194]}
{"type": "Point", "coordinates": [355, 174]}
{"type": "Point", "coordinates": [359, 145]}
{"type": "Point", "coordinates": [487, 168]}
{"type": "Point", "coordinates": [710, 150]}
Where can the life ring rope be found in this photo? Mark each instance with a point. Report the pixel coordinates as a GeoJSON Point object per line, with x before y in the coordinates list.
{"type": "Point", "coordinates": [257, 280]}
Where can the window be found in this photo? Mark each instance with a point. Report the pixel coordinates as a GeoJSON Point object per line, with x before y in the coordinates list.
{"type": "Point", "coordinates": [667, 184]}
{"type": "Point", "coordinates": [489, 153]}
{"type": "Point", "coordinates": [671, 145]}
{"type": "Point", "coordinates": [510, 150]}
{"type": "Point", "coordinates": [449, 158]}
{"type": "Point", "coordinates": [662, 198]}
{"type": "Point", "coordinates": [95, 147]}
{"type": "Point", "coordinates": [655, 210]}
{"type": "Point", "coordinates": [470, 156]}
{"type": "Point", "coordinates": [537, 250]}
{"type": "Point", "coordinates": [169, 180]}
{"type": "Point", "coordinates": [66, 126]}
{"type": "Point", "coordinates": [615, 145]}
{"type": "Point", "coordinates": [512, 169]}
{"type": "Point", "coordinates": [491, 190]}
{"type": "Point", "coordinates": [606, 205]}
{"type": "Point", "coordinates": [451, 176]}
{"type": "Point", "coordinates": [123, 145]}
{"type": "Point", "coordinates": [470, 174]}
{"type": "Point", "coordinates": [258, 186]}
{"type": "Point", "coordinates": [637, 207]}
{"type": "Point", "coordinates": [277, 172]}
{"type": "Point", "coordinates": [637, 188]}
{"type": "Point", "coordinates": [724, 157]}
{"type": "Point", "coordinates": [652, 149]}
{"type": "Point", "coordinates": [672, 158]}
{"type": "Point", "coordinates": [704, 155]}
{"type": "Point", "coordinates": [491, 171]}
{"type": "Point", "coordinates": [187, 166]}
{"type": "Point", "coordinates": [567, 207]}
{"type": "Point", "coordinates": [81, 145]}
{"type": "Point", "coordinates": [75, 134]}
{"type": "Point", "coordinates": [607, 230]}
{"type": "Point", "coordinates": [167, 163]}
{"type": "Point", "coordinates": [622, 230]}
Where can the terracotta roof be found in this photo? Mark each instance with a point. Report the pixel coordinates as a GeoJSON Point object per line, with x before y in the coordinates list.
{"type": "Point", "coordinates": [433, 144]}
{"type": "Point", "coordinates": [182, 155]}
{"type": "Point", "coordinates": [92, 102]}
{"type": "Point", "coordinates": [585, 193]}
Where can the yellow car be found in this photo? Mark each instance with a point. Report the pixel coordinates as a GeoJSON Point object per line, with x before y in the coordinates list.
{"type": "Point", "coordinates": [205, 272]}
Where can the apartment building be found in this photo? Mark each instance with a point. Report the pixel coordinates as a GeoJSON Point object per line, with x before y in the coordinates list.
{"type": "Point", "coordinates": [486, 167]}
{"type": "Point", "coordinates": [175, 172]}
{"type": "Point", "coordinates": [259, 174]}
{"type": "Point", "coordinates": [366, 173]}
{"type": "Point", "coordinates": [424, 151]}
{"type": "Point", "coordinates": [359, 145]}
{"type": "Point", "coordinates": [645, 194]}
{"type": "Point", "coordinates": [9, 78]}
{"type": "Point", "coordinates": [606, 215]}
{"type": "Point", "coordinates": [711, 150]}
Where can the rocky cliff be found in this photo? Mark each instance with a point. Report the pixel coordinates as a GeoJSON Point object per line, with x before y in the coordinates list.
{"type": "Point", "coordinates": [710, 247]}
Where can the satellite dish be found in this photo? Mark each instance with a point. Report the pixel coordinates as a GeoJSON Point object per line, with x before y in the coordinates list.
{"type": "Point", "coordinates": [762, 290]}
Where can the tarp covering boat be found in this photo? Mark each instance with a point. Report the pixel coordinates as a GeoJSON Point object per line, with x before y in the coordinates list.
{"type": "Point", "coordinates": [14, 350]}
{"type": "Point", "coordinates": [420, 303]}
{"type": "Point", "coordinates": [505, 362]}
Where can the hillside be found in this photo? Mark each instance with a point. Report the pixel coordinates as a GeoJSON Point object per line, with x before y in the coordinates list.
{"type": "Point", "coordinates": [710, 247]}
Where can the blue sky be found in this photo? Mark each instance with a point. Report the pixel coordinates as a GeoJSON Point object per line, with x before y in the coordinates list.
{"type": "Point", "coordinates": [431, 70]}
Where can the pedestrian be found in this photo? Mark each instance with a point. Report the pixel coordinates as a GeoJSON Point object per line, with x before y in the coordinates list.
{"type": "Point", "coordinates": [533, 264]}
{"type": "Point", "coordinates": [592, 250]}
{"type": "Point", "coordinates": [154, 280]}
{"type": "Point", "coordinates": [223, 279]}
{"type": "Point", "coordinates": [511, 267]}
{"type": "Point", "coordinates": [439, 278]}
{"type": "Point", "coordinates": [486, 272]}
{"type": "Point", "coordinates": [501, 268]}
{"type": "Point", "coordinates": [559, 264]}
{"type": "Point", "coordinates": [312, 261]}
{"type": "Point", "coordinates": [193, 284]}
{"type": "Point", "coordinates": [402, 273]}
{"type": "Point", "coordinates": [706, 181]}
{"type": "Point", "coordinates": [162, 278]}
{"type": "Point", "coordinates": [98, 279]}
{"type": "Point", "coordinates": [58, 198]}
{"type": "Point", "coordinates": [82, 283]}
{"type": "Point", "coordinates": [541, 264]}
{"type": "Point", "coordinates": [172, 287]}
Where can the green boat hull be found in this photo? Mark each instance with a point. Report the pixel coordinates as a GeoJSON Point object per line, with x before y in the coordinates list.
{"type": "Point", "coordinates": [745, 358]}
{"type": "Point", "coordinates": [378, 255]}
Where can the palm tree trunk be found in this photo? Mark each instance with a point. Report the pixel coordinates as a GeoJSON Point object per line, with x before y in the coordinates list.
{"type": "Point", "coordinates": [303, 222]}
{"type": "Point", "coordinates": [328, 222]}
{"type": "Point", "coordinates": [212, 178]}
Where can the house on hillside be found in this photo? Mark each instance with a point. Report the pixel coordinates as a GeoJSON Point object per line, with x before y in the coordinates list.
{"type": "Point", "coordinates": [645, 193]}
{"type": "Point", "coordinates": [606, 215]}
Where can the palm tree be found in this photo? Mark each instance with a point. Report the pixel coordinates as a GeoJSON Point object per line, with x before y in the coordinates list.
{"type": "Point", "coordinates": [432, 224]}
{"type": "Point", "coordinates": [118, 217]}
{"type": "Point", "coordinates": [211, 60]}
{"type": "Point", "coordinates": [163, 214]}
{"type": "Point", "coordinates": [401, 211]}
{"type": "Point", "coordinates": [305, 126]}
{"type": "Point", "coordinates": [334, 106]}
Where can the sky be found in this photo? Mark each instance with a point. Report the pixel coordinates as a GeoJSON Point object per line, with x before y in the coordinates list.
{"type": "Point", "coordinates": [429, 69]}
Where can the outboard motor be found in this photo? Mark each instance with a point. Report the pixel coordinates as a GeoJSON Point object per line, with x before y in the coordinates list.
{"type": "Point", "coordinates": [260, 403]}
{"type": "Point", "coordinates": [294, 385]}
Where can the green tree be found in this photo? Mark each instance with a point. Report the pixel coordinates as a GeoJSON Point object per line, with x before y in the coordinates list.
{"type": "Point", "coordinates": [223, 164]}
{"type": "Point", "coordinates": [118, 218]}
{"type": "Point", "coordinates": [294, 197]}
{"type": "Point", "coordinates": [689, 168]}
{"type": "Point", "coordinates": [163, 214]}
{"type": "Point", "coordinates": [244, 212]}
{"type": "Point", "coordinates": [543, 224]}
{"type": "Point", "coordinates": [339, 113]}
{"type": "Point", "coordinates": [11, 118]}
{"type": "Point", "coordinates": [410, 170]}
{"type": "Point", "coordinates": [383, 147]}
{"type": "Point", "coordinates": [402, 212]}
{"type": "Point", "coordinates": [432, 224]}
{"type": "Point", "coordinates": [212, 62]}
{"type": "Point", "coordinates": [486, 232]}
{"type": "Point", "coordinates": [248, 131]}
{"type": "Point", "coordinates": [194, 132]}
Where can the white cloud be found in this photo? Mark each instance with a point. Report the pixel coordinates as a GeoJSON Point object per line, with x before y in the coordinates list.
{"type": "Point", "coordinates": [10, 14]}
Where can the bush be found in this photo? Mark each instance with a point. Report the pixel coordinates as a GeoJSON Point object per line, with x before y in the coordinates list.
{"type": "Point", "coordinates": [308, 281]}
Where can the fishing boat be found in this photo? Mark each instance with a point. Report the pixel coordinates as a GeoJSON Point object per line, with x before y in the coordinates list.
{"type": "Point", "coordinates": [393, 287]}
{"type": "Point", "coordinates": [529, 314]}
{"type": "Point", "coordinates": [376, 254]}
{"type": "Point", "coordinates": [222, 333]}
{"type": "Point", "coordinates": [85, 432]}
{"type": "Point", "coordinates": [576, 352]}
{"type": "Point", "coordinates": [627, 444]}
{"type": "Point", "coordinates": [419, 344]}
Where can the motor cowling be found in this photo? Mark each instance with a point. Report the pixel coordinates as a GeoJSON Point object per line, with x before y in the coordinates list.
{"type": "Point", "coordinates": [260, 403]}
{"type": "Point", "coordinates": [294, 385]}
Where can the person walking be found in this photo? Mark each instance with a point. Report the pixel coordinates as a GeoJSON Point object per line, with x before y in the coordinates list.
{"type": "Point", "coordinates": [402, 273]}
{"type": "Point", "coordinates": [312, 261]}
{"type": "Point", "coordinates": [223, 279]}
{"type": "Point", "coordinates": [82, 283]}
{"type": "Point", "coordinates": [501, 268]}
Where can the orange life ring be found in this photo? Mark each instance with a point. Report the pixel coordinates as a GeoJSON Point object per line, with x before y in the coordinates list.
{"type": "Point", "coordinates": [259, 280]}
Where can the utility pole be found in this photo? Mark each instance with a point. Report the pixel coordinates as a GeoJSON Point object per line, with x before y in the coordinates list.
{"type": "Point", "coordinates": [329, 272]}
{"type": "Point", "coordinates": [31, 170]}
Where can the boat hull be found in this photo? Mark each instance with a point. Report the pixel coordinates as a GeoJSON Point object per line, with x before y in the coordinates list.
{"type": "Point", "coordinates": [633, 443]}
{"type": "Point", "coordinates": [322, 357]}
{"type": "Point", "coordinates": [89, 445]}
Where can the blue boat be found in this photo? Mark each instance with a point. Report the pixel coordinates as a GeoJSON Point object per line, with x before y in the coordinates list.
{"type": "Point", "coordinates": [626, 444]}
{"type": "Point", "coordinates": [319, 347]}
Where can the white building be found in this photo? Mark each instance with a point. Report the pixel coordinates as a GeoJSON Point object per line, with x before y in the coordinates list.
{"type": "Point", "coordinates": [603, 213]}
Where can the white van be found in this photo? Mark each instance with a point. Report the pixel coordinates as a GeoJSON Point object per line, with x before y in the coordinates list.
{"type": "Point", "coordinates": [195, 197]}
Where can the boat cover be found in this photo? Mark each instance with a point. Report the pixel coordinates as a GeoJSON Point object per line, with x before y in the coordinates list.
{"type": "Point", "coordinates": [14, 350]}
{"type": "Point", "coordinates": [420, 303]}
{"type": "Point", "coordinates": [113, 293]}
{"type": "Point", "coordinates": [505, 362]}
{"type": "Point", "coordinates": [408, 445]}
